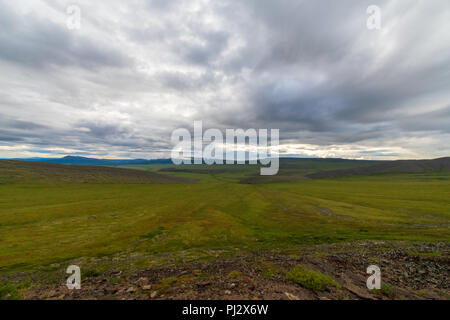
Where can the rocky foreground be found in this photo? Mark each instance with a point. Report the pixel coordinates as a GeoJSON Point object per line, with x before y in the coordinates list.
{"type": "Point", "coordinates": [408, 271]}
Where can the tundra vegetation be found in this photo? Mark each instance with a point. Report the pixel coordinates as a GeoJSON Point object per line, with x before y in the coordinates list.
{"type": "Point", "coordinates": [146, 216]}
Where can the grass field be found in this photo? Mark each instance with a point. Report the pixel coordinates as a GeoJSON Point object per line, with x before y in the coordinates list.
{"type": "Point", "coordinates": [46, 223]}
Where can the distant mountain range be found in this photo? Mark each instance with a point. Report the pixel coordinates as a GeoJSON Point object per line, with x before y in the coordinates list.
{"type": "Point", "coordinates": [75, 160]}
{"type": "Point", "coordinates": [365, 168]}
{"type": "Point", "coordinates": [96, 162]}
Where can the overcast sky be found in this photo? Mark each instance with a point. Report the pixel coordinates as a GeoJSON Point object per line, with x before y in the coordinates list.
{"type": "Point", "coordinates": [136, 70]}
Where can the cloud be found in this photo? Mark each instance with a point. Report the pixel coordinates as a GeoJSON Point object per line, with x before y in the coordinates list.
{"type": "Point", "coordinates": [37, 42]}
{"type": "Point", "coordinates": [136, 71]}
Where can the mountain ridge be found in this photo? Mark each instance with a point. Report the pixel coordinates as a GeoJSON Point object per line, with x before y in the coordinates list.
{"type": "Point", "coordinates": [77, 160]}
{"type": "Point", "coordinates": [23, 172]}
{"type": "Point", "coordinates": [396, 166]}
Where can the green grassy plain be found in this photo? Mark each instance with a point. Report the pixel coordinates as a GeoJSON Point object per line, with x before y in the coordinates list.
{"type": "Point", "coordinates": [44, 224]}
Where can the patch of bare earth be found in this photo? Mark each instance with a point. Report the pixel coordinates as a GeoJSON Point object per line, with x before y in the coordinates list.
{"type": "Point", "coordinates": [408, 271]}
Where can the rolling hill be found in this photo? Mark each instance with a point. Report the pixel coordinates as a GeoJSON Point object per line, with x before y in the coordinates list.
{"type": "Point", "coordinates": [18, 172]}
{"type": "Point", "coordinates": [96, 162]}
{"type": "Point", "coordinates": [399, 166]}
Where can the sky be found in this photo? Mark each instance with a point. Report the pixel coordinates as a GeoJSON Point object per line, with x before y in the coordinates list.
{"type": "Point", "coordinates": [134, 71]}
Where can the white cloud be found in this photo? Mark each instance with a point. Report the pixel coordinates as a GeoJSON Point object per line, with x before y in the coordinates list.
{"type": "Point", "coordinates": [137, 70]}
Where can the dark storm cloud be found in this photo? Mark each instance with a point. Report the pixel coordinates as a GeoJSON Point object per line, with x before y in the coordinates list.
{"type": "Point", "coordinates": [19, 125]}
{"type": "Point", "coordinates": [138, 70]}
{"type": "Point", "coordinates": [322, 71]}
{"type": "Point", "coordinates": [207, 51]}
{"type": "Point", "coordinates": [104, 130]}
{"type": "Point", "coordinates": [38, 43]}
{"type": "Point", "coordinates": [438, 120]}
{"type": "Point", "coordinates": [185, 81]}
{"type": "Point", "coordinates": [18, 130]}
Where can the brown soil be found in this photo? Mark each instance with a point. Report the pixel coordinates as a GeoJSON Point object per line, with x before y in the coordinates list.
{"type": "Point", "coordinates": [411, 271]}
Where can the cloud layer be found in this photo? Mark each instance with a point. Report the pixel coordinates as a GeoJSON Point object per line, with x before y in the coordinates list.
{"type": "Point", "coordinates": [137, 70]}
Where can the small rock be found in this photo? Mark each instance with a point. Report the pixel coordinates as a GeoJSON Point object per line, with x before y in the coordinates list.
{"type": "Point", "coordinates": [204, 284]}
{"type": "Point", "coordinates": [290, 296]}
{"type": "Point", "coordinates": [153, 294]}
{"type": "Point", "coordinates": [147, 287]}
{"type": "Point", "coordinates": [51, 293]}
{"type": "Point", "coordinates": [131, 290]}
{"type": "Point", "coordinates": [227, 292]}
{"type": "Point", "coordinates": [143, 280]}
